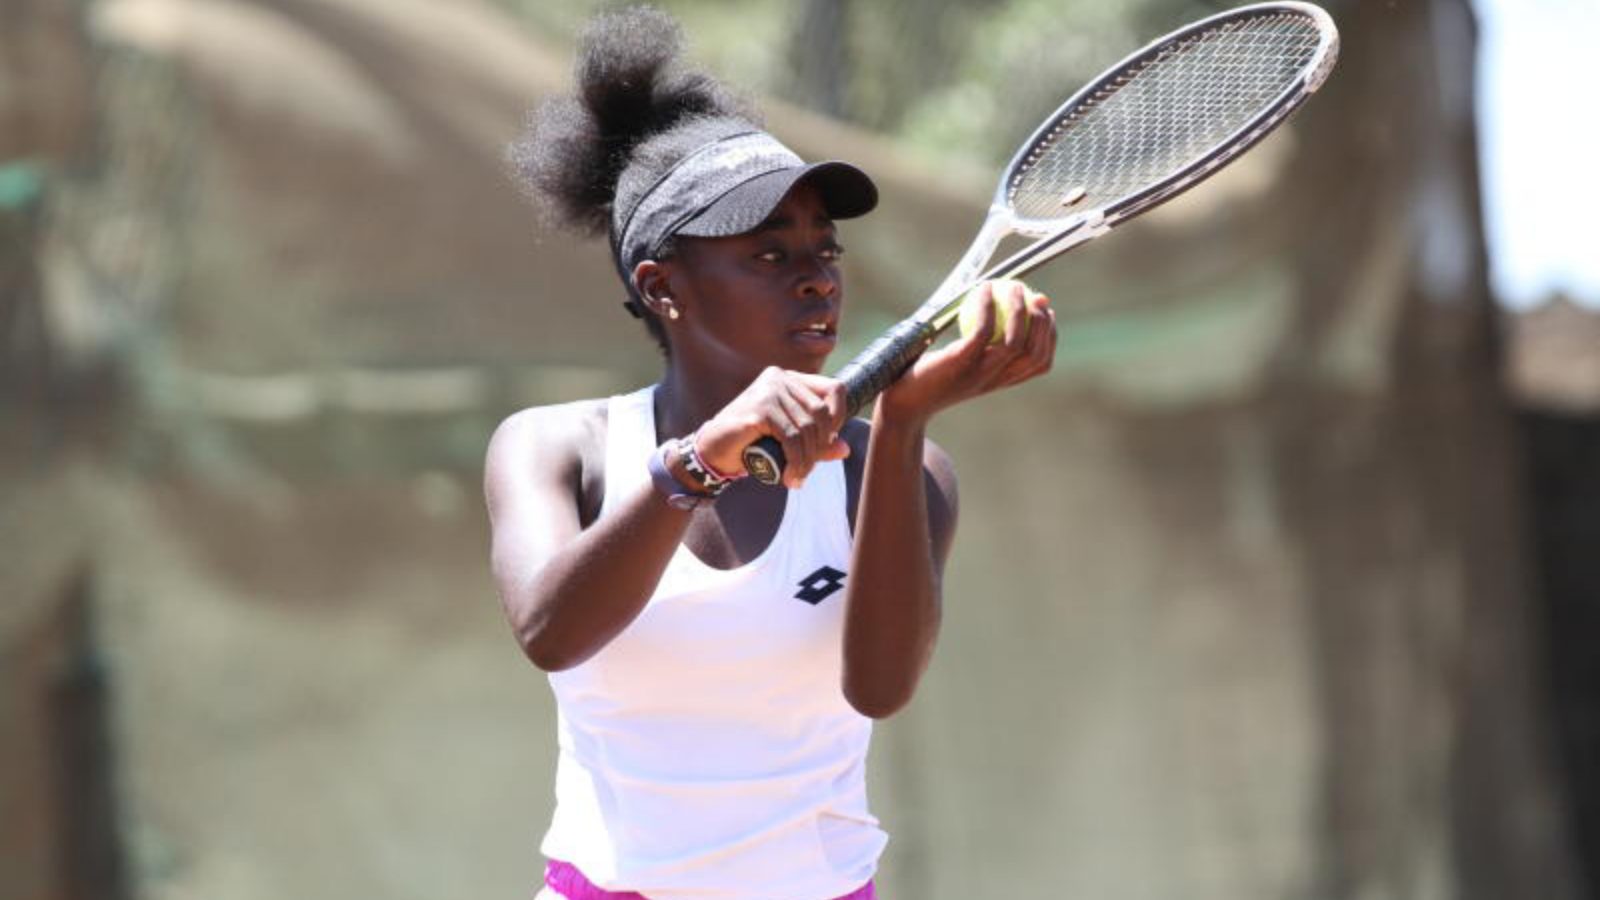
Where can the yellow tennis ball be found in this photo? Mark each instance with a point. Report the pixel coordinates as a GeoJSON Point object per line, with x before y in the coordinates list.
{"type": "Point", "coordinates": [1002, 287]}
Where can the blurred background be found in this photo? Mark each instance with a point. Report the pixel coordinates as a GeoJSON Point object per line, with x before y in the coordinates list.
{"type": "Point", "coordinates": [1284, 584]}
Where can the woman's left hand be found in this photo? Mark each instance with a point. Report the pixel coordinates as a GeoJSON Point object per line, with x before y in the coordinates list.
{"type": "Point", "coordinates": [979, 363]}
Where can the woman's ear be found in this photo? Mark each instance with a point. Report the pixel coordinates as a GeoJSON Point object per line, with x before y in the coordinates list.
{"type": "Point", "coordinates": [651, 281]}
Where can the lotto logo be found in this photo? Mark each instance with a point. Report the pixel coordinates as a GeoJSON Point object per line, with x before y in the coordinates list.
{"type": "Point", "coordinates": [820, 585]}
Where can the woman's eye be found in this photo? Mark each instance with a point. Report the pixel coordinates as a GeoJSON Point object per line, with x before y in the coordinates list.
{"type": "Point", "coordinates": [830, 253]}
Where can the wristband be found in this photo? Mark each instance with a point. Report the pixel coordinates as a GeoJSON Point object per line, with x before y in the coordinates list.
{"type": "Point", "coordinates": [677, 496]}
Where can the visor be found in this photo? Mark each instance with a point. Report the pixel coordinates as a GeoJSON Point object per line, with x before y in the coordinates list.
{"type": "Point", "coordinates": [728, 187]}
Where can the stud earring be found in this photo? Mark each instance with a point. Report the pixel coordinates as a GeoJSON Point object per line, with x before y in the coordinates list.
{"type": "Point", "coordinates": [672, 313]}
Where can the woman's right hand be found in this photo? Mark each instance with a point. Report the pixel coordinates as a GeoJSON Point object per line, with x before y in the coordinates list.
{"type": "Point", "coordinates": [803, 412]}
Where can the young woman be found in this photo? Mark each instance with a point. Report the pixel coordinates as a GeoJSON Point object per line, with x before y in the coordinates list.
{"type": "Point", "coordinates": [718, 648]}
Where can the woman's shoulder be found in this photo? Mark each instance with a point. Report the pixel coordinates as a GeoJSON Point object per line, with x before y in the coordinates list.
{"type": "Point", "coordinates": [554, 428]}
{"type": "Point", "coordinates": [560, 444]}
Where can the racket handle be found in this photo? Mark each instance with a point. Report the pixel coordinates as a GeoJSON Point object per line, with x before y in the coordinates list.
{"type": "Point", "coordinates": [764, 460]}
{"type": "Point", "coordinates": [884, 361]}
{"type": "Point", "coordinates": [864, 377]}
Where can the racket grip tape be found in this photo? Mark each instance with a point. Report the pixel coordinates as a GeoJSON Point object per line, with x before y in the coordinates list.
{"type": "Point", "coordinates": [873, 369]}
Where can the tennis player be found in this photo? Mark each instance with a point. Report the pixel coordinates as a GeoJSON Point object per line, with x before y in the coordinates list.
{"type": "Point", "coordinates": [718, 649]}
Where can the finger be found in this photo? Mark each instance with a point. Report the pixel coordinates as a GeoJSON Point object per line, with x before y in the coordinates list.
{"type": "Point", "coordinates": [799, 447]}
{"type": "Point", "coordinates": [980, 303]}
{"type": "Point", "coordinates": [1001, 359]}
{"type": "Point", "coordinates": [1016, 317]}
{"type": "Point", "coordinates": [830, 403]}
{"type": "Point", "coordinates": [825, 408]}
{"type": "Point", "coordinates": [1053, 338]}
{"type": "Point", "coordinates": [836, 402]}
{"type": "Point", "coordinates": [1041, 331]}
{"type": "Point", "coordinates": [979, 353]}
{"type": "Point", "coordinates": [819, 428]}
{"type": "Point", "coordinates": [1039, 354]}
{"type": "Point", "coordinates": [838, 406]}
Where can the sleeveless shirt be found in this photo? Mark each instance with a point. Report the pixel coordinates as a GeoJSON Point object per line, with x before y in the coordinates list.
{"type": "Point", "coordinates": [707, 752]}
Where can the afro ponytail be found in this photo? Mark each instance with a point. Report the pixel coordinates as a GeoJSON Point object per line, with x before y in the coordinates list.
{"type": "Point", "coordinates": [629, 100]}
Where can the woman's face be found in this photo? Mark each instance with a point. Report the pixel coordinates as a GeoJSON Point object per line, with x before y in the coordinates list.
{"type": "Point", "coordinates": [771, 296]}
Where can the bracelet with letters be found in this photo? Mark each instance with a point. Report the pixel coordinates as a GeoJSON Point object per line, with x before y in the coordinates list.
{"type": "Point", "coordinates": [678, 496]}
{"type": "Point", "coordinates": [705, 483]}
{"type": "Point", "coordinates": [713, 481]}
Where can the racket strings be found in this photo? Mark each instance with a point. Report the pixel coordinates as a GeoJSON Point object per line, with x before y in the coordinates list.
{"type": "Point", "coordinates": [1164, 113]}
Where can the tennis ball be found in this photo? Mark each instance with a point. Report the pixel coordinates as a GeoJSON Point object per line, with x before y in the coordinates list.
{"type": "Point", "coordinates": [1002, 287]}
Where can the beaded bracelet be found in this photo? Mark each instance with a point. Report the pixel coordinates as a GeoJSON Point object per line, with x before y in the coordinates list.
{"type": "Point", "coordinates": [710, 481]}
{"type": "Point", "coordinates": [692, 458]}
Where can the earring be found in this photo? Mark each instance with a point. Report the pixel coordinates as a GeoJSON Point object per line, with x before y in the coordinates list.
{"type": "Point", "coordinates": [672, 313]}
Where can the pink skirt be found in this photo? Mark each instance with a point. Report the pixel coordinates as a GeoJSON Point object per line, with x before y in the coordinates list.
{"type": "Point", "coordinates": [566, 880]}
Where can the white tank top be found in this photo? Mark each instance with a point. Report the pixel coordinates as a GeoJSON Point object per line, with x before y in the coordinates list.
{"type": "Point", "coordinates": [708, 751]}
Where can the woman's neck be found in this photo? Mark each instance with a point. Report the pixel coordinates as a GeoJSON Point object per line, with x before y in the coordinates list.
{"type": "Point", "coordinates": [685, 399]}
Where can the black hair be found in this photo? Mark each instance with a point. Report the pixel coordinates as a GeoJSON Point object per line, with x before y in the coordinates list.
{"type": "Point", "coordinates": [633, 111]}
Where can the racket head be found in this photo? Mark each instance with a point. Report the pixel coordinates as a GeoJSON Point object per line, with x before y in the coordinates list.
{"type": "Point", "coordinates": [1168, 115]}
{"type": "Point", "coordinates": [1107, 189]}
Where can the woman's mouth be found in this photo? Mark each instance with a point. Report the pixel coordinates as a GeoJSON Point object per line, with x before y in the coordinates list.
{"type": "Point", "coordinates": [821, 336]}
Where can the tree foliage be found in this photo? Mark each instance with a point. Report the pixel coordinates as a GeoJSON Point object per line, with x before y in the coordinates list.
{"type": "Point", "coordinates": [950, 78]}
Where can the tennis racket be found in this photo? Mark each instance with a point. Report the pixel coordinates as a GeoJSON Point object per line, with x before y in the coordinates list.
{"type": "Point", "coordinates": [1149, 128]}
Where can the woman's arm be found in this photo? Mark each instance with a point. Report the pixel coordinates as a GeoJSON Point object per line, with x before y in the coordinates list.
{"type": "Point", "coordinates": [906, 515]}
{"type": "Point", "coordinates": [567, 590]}
{"type": "Point", "coordinates": [904, 526]}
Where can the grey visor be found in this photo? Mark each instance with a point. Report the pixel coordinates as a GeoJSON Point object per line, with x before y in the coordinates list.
{"type": "Point", "coordinates": [728, 187]}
